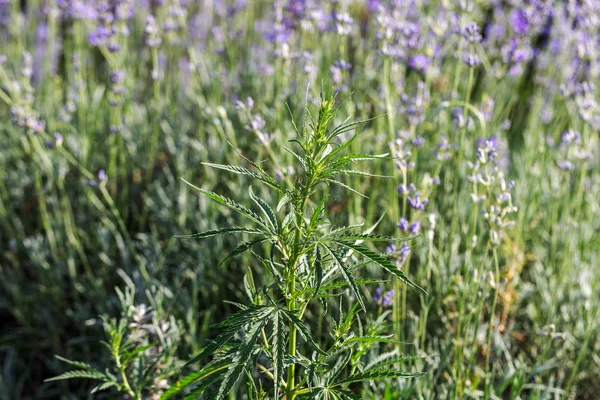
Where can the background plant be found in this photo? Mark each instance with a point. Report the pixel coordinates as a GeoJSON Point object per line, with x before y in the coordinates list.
{"type": "Point", "coordinates": [448, 77]}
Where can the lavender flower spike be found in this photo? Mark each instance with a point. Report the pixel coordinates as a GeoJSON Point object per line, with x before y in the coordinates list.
{"type": "Point", "coordinates": [417, 203]}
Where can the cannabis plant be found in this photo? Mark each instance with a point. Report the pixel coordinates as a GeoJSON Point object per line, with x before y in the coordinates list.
{"type": "Point", "coordinates": [306, 259]}
{"type": "Point", "coordinates": [141, 347]}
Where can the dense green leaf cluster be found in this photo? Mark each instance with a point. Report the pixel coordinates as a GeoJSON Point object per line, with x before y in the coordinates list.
{"type": "Point", "coordinates": [307, 256]}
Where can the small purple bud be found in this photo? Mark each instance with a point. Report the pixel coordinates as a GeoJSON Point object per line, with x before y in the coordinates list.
{"type": "Point", "coordinates": [565, 165]}
{"type": "Point", "coordinates": [471, 60]}
{"type": "Point", "coordinates": [416, 202]}
{"type": "Point", "coordinates": [519, 22]}
{"type": "Point", "coordinates": [391, 248]}
{"type": "Point", "coordinates": [419, 62]}
{"type": "Point", "coordinates": [418, 141]}
{"type": "Point", "coordinates": [414, 228]}
{"type": "Point", "coordinates": [377, 295]}
{"type": "Point", "coordinates": [388, 298]}
{"type": "Point", "coordinates": [402, 224]}
{"type": "Point", "coordinates": [58, 139]}
{"type": "Point", "coordinates": [471, 33]}
{"type": "Point", "coordinates": [102, 178]}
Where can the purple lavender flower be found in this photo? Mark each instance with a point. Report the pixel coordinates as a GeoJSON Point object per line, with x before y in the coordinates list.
{"type": "Point", "coordinates": [152, 32]}
{"type": "Point", "coordinates": [102, 178]}
{"type": "Point", "coordinates": [458, 117]}
{"type": "Point", "coordinates": [519, 21]}
{"type": "Point", "coordinates": [570, 137]}
{"type": "Point", "coordinates": [471, 33]}
{"type": "Point", "coordinates": [471, 60]}
{"type": "Point", "coordinates": [256, 124]}
{"type": "Point", "coordinates": [404, 252]}
{"type": "Point", "coordinates": [58, 139]}
{"type": "Point", "coordinates": [444, 149]}
{"type": "Point", "coordinates": [402, 224]}
{"type": "Point", "coordinates": [117, 76]}
{"type": "Point", "coordinates": [404, 190]}
{"type": "Point", "coordinates": [377, 295]}
{"type": "Point", "coordinates": [388, 298]}
{"type": "Point", "coordinates": [99, 37]}
{"type": "Point", "coordinates": [373, 5]}
{"type": "Point", "coordinates": [414, 228]}
{"type": "Point", "coordinates": [565, 165]}
{"type": "Point", "coordinates": [416, 202]}
{"type": "Point", "coordinates": [487, 149]}
{"type": "Point", "coordinates": [418, 141]}
{"type": "Point", "coordinates": [342, 23]}
{"type": "Point", "coordinates": [419, 62]}
{"type": "Point", "coordinates": [336, 71]}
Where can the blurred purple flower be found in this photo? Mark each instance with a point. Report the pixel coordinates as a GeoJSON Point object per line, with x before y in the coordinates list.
{"type": "Point", "coordinates": [419, 62]}
{"type": "Point", "coordinates": [402, 224]}
{"type": "Point", "coordinates": [418, 141]}
{"type": "Point", "coordinates": [102, 178]}
{"type": "Point", "coordinates": [519, 21]}
{"type": "Point", "coordinates": [414, 228]}
{"type": "Point", "coordinates": [471, 33]}
{"type": "Point", "coordinates": [377, 295]}
{"type": "Point", "coordinates": [416, 202]}
{"type": "Point", "coordinates": [388, 298]}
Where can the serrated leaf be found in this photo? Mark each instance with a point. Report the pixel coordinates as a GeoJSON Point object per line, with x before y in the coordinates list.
{"type": "Point", "coordinates": [317, 215]}
{"type": "Point", "coordinates": [303, 330]}
{"type": "Point", "coordinates": [267, 211]}
{"type": "Point", "coordinates": [242, 248]}
{"type": "Point", "coordinates": [222, 231]}
{"type": "Point", "coordinates": [338, 149]}
{"type": "Point", "coordinates": [285, 199]}
{"type": "Point", "coordinates": [371, 339]}
{"type": "Point", "coordinates": [373, 375]}
{"type": "Point", "coordinates": [232, 204]}
{"type": "Point", "coordinates": [234, 373]}
{"type": "Point", "coordinates": [302, 161]}
{"type": "Point", "coordinates": [254, 164]}
{"type": "Point", "coordinates": [348, 127]}
{"type": "Point", "coordinates": [318, 270]}
{"type": "Point", "coordinates": [103, 386]}
{"type": "Point", "coordinates": [278, 351]}
{"type": "Point", "coordinates": [233, 324]}
{"type": "Point", "coordinates": [78, 364]}
{"type": "Point", "coordinates": [339, 366]}
{"type": "Point", "coordinates": [381, 261]}
{"type": "Point", "coordinates": [347, 395]}
{"type": "Point", "coordinates": [263, 177]}
{"type": "Point", "coordinates": [346, 187]}
{"type": "Point", "coordinates": [368, 237]}
{"type": "Point", "coordinates": [85, 374]}
{"type": "Point", "coordinates": [272, 268]}
{"type": "Point", "coordinates": [361, 173]}
{"type": "Point", "coordinates": [134, 353]}
{"type": "Point", "coordinates": [207, 379]}
{"type": "Point", "coordinates": [339, 285]}
{"type": "Point", "coordinates": [387, 359]}
{"type": "Point", "coordinates": [348, 276]}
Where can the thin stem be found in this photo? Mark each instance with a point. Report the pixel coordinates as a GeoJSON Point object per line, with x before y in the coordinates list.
{"type": "Point", "coordinates": [491, 324]}
{"type": "Point", "coordinates": [126, 385]}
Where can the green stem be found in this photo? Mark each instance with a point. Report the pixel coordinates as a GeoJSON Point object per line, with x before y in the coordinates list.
{"type": "Point", "coordinates": [291, 287]}
{"type": "Point", "coordinates": [491, 324]}
{"type": "Point", "coordinates": [126, 385]}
